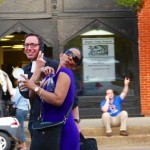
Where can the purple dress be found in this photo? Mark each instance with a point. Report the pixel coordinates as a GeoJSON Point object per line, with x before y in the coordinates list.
{"type": "Point", "coordinates": [70, 134]}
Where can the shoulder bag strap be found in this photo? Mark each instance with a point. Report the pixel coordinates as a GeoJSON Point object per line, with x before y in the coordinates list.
{"type": "Point", "coordinates": [67, 114]}
{"type": "Point", "coordinates": [65, 117]}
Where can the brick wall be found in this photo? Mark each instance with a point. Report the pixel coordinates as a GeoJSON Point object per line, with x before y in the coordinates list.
{"type": "Point", "coordinates": [144, 57]}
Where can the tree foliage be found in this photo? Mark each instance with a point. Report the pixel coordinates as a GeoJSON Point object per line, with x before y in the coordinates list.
{"type": "Point", "coordinates": [1, 1]}
{"type": "Point", "coordinates": [135, 5]}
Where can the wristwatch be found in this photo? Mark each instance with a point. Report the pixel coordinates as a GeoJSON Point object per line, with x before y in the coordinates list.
{"type": "Point", "coordinates": [77, 120]}
{"type": "Point", "coordinates": [36, 89]}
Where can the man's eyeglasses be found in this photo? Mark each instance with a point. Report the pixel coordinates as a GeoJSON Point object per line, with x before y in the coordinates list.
{"type": "Point", "coordinates": [74, 57]}
{"type": "Point", "coordinates": [32, 45]}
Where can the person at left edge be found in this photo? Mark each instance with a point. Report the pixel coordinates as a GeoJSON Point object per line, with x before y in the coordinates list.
{"type": "Point", "coordinates": [22, 108]}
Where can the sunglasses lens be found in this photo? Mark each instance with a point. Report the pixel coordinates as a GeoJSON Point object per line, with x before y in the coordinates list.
{"type": "Point", "coordinates": [74, 57]}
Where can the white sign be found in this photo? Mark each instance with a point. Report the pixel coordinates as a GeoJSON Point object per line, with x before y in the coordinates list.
{"type": "Point", "coordinates": [98, 59]}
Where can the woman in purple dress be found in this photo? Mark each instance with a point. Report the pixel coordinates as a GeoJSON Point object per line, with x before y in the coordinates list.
{"type": "Point", "coordinates": [56, 104]}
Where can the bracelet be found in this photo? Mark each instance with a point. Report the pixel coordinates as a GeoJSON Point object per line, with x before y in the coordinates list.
{"type": "Point", "coordinates": [41, 92]}
{"type": "Point", "coordinates": [77, 120]}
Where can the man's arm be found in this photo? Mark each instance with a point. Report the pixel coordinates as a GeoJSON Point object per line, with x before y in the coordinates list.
{"type": "Point", "coordinates": [76, 116]}
{"type": "Point", "coordinates": [75, 111]}
{"type": "Point", "coordinates": [105, 107]}
{"type": "Point", "coordinates": [126, 88]}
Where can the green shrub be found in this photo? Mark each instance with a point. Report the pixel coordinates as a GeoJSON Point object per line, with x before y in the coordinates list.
{"type": "Point", "coordinates": [135, 5]}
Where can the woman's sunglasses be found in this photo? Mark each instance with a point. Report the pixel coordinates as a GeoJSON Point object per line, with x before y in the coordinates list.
{"type": "Point", "coordinates": [74, 57]}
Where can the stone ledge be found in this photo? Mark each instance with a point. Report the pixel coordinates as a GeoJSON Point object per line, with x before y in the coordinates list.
{"type": "Point", "coordinates": [132, 121]}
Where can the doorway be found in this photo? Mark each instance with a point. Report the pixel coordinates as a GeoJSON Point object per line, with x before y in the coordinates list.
{"type": "Point", "coordinates": [12, 52]}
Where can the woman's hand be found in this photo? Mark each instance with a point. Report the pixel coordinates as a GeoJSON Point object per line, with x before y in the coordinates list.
{"type": "Point", "coordinates": [47, 70]}
{"type": "Point", "coordinates": [27, 83]}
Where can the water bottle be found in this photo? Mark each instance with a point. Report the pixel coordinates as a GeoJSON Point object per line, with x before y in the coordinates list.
{"type": "Point", "coordinates": [50, 86]}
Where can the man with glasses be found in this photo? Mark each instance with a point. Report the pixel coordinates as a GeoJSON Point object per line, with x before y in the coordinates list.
{"type": "Point", "coordinates": [33, 44]}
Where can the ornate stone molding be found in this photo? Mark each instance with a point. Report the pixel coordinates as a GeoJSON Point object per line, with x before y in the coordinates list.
{"type": "Point", "coordinates": [26, 9]}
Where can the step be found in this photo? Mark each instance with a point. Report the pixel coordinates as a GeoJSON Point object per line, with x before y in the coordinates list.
{"type": "Point", "coordinates": [117, 142]}
{"type": "Point", "coordinates": [122, 140]}
{"type": "Point", "coordinates": [136, 146]}
{"type": "Point", "coordinates": [138, 128]}
{"type": "Point", "coordinates": [133, 138]}
{"type": "Point", "coordinates": [101, 130]}
{"type": "Point", "coordinates": [132, 122]}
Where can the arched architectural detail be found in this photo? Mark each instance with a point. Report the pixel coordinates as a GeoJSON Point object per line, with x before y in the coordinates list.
{"type": "Point", "coordinates": [98, 24]}
{"type": "Point", "coordinates": [20, 26]}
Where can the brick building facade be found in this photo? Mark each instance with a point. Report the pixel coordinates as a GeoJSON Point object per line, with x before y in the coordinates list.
{"type": "Point", "coordinates": [144, 55]}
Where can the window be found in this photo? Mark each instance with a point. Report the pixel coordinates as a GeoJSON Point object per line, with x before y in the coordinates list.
{"type": "Point", "coordinates": [107, 60]}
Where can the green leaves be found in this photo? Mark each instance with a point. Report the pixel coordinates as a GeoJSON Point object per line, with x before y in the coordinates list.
{"type": "Point", "coordinates": [1, 1]}
{"type": "Point", "coordinates": [135, 5]}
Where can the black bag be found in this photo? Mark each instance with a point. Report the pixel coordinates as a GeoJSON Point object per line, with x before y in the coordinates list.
{"type": "Point", "coordinates": [47, 135]}
{"type": "Point", "coordinates": [87, 143]}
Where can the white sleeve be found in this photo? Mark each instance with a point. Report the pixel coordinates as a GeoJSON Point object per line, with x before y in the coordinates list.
{"type": "Point", "coordinates": [13, 94]}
